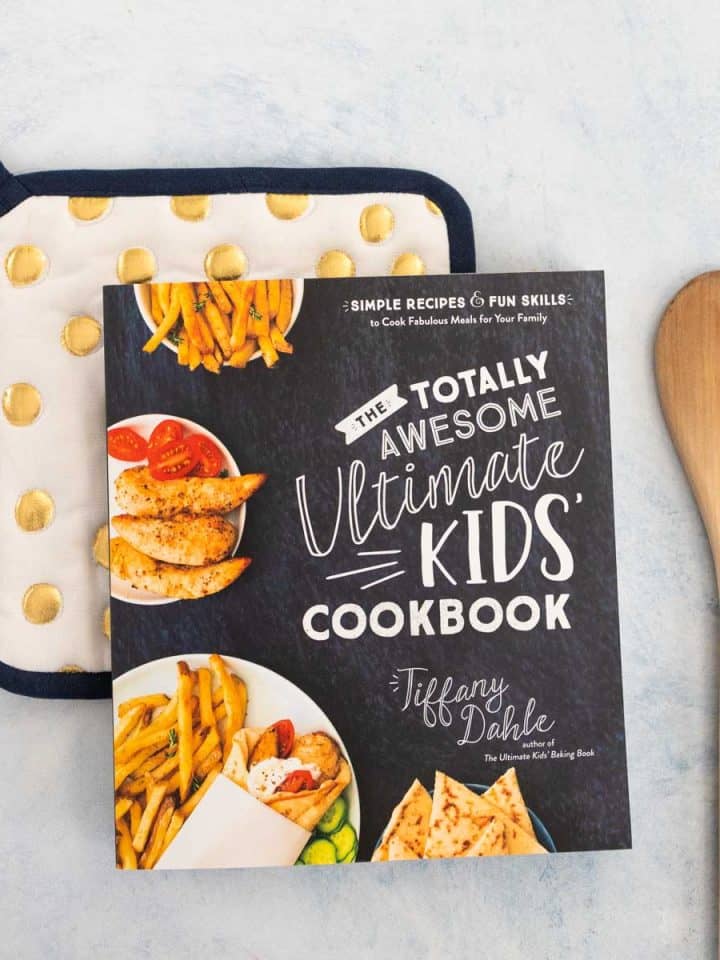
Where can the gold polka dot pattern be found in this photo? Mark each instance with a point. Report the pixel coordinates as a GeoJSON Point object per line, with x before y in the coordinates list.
{"type": "Point", "coordinates": [408, 265]}
{"type": "Point", "coordinates": [21, 404]}
{"type": "Point", "coordinates": [34, 510]}
{"type": "Point", "coordinates": [335, 263]}
{"type": "Point", "coordinates": [376, 223]}
{"type": "Point", "coordinates": [287, 206]}
{"type": "Point", "coordinates": [41, 603]}
{"type": "Point", "coordinates": [88, 209]}
{"type": "Point", "coordinates": [225, 262]}
{"type": "Point", "coordinates": [192, 208]}
{"type": "Point", "coordinates": [25, 265]}
{"type": "Point", "coordinates": [81, 335]}
{"type": "Point", "coordinates": [136, 265]}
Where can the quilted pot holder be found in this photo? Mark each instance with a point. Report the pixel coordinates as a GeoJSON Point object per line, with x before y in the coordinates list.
{"type": "Point", "coordinates": [65, 234]}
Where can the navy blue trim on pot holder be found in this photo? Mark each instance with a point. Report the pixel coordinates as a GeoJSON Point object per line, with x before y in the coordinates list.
{"type": "Point", "coordinates": [14, 189]}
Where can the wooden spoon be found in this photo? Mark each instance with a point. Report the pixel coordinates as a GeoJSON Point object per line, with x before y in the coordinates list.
{"type": "Point", "coordinates": [687, 366]}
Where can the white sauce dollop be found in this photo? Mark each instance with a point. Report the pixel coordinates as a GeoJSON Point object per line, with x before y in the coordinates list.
{"type": "Point", "coordinates": [265, 777]}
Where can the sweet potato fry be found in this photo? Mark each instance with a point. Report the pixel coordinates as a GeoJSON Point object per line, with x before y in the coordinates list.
{"type": "Point", "coordinates": [241, 357]}
{"type": "Point", "coordinates": [259, 324]}
{"type": "Point", "coordinates": [217, 325]}
{"type": "Point", "coordinates": [273, 296]}
{"type": "Point", "coordinates": [278, 340]}
{"type": "Point", "coordinates": [284, 313]}
{"type": "Point", "coordinates": [241, 295]}
{"type": "Point", "coordinates": [220, 297]}
{"type": "Point", "coordinates": [185, 733]}
{"type": "Point", "coordinates": [269, 353]}
{"type": "Point", "coordinates": [166, 322]}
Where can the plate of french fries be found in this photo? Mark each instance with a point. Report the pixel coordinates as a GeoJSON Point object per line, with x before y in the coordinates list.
{"type": "Point", "coordinates": [215, 324]}
{"type": "Point", "coordinates": [175, 720]}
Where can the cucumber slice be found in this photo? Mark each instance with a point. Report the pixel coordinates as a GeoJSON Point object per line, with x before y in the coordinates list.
{"type": "Point", "coordinates": [333, 818]}
{"type": "Point", "coordinates": [319, 851]}
{"type": "Point", "coordinates": [351, 857]}
{"type": "Point", "coordinates": [344, 840]}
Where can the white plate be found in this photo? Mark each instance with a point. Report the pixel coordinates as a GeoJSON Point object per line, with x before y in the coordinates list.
{"type": "Point", "coordinates": [270, 698]}
{"type": "Point", "coordinates": [144, 425]}
{"type": "Point", "coordinates": [142, 297]}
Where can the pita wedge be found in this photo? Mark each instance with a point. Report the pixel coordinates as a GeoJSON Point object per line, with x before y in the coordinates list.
{"type": "Point", "coordinates": [399, 850]}
{"type": "Point", "coordinates": [304, 808]}
{"type": "Point", "coordinates": [458, 818]}
{"type": "Point", "coordinates": [409, 823]}
{"type": "Point", "coordinates": [491, 842]}
{"type": "Point", "coordinates": [506, 796]}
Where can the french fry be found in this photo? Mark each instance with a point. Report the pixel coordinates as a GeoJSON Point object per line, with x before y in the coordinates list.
{"type": "Point", "coordinates": [202, 293]}
{"type": "Point", "coordinates": [194, 356]}
{"type": "Point", "coordinates": [126, 852]}
{"type": "Point", "coordinates": [166, 323]}
{"type": "Point", "coordinates": [127, 725]}
{"type": "Point", "coordinates": [284, 313]}
{"type": "Point", "coordinates": [122, 806]}
{"type": "Point", "coordinates": [156, 309]}
{"type": "Point", "coordinates": [234, 697]}
{"type": "Point", "coordinates": [210, 363]}
{"type": "Point", "coordinates": [183, 348]}
{"type": "Point", "coordinates": [269, 353]}
{"type": "Point", "coordinates": [278, 340]}
{"type": "Point", "coordinates": [221, 298]}
{"type": "Point", "coordinates": [126, 769]}
{"type": "Point", "coordinates": [273, 296]}
{"type": "Point", "coordinates": [205, 333]}
{"type": "Point", "coordinates": [135, 816]}
{"type": "Point", "coordinates": [241, 357]}
{"type": "Point", "coordinates": [176, 821]}
{"type": "Point", "coordinates": [205, 695]}
{"type": "Point", "coordinates": [164, 294]}
{"type": "Point", "coordinates": [151, 700]}
{"type": "Point", "coordinates": [157, 835]}
{"type": "Point", "coordinates": [154, 734]}
{"type": "Point", "coordinates": [194, 799]}
{"type": "Point", "coordinates": [259, 323]}
{"type": "Point", "coordinates": [214, 758]}
{"type": "Point", "coordinates": [217, 325]}
{"type": "Point", "coordinates": [186, 294]}
{"type": "Point", "coordinates": [241, 295]}
{"type": "Point", "coordinates": [185, 733]}
{"type": "Point", "coordinates": [155, 796]}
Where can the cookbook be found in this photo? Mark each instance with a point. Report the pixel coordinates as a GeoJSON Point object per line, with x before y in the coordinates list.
{"type": "Point", "coordinates": [362, 562]}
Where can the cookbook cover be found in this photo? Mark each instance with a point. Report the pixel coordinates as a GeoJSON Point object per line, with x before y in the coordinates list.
{"type": "Point", "coordinates": [362, 560]}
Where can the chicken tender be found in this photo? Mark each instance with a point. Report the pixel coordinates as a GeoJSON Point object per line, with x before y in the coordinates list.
{"type": "Point", "coordinates": [191, 541]}
{"type": "Point", "coordinates": [137, 493]}
{"type": "Point", "coordinates": [320, 749]}
{"type": "Point", "coordinates": [169, 580]}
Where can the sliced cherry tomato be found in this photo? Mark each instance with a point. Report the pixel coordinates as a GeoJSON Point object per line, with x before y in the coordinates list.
{"type": "Point", "coordinates": [285, 733]}
{"type": "Point", "coordinates": [296, 781]}
{"type": "Point", "coordinates": [126, 444]}
{"type": "Point", "coordinates": [163, 433]}
{"type": "Point", "coordinates": [173, 460]}
{"type": "Point", "coordinates": [210, 460]}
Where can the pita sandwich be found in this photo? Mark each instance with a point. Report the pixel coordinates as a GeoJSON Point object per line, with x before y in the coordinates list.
{"type": "Point", "coordinates": [491, 842]}
{"type": "Point", "coordinates": [399, 850]}
{"type": "Point", "coordinates": [306, 807]}
{"type": "Point", "coordinates": [409, 823]}
{"type": "Point", "coordinates": [506, 796]}
{"type": "Point", "coordinates": [458, 818]}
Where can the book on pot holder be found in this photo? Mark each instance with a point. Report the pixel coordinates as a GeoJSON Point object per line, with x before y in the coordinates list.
{"type": "Point", "coordinates": [364, 600]}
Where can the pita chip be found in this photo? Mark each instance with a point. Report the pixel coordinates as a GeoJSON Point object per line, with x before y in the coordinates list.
{"type": "Point", "coordinates": [458, 818]}
{"type": "Point", "coordinates": [506, 796]}
{"type": "Point", "coordinates": [408, 822]}
{"type": "Point", "coordinates": [399, 850]}
{"type": "Point", "coordinates": [491, 842]}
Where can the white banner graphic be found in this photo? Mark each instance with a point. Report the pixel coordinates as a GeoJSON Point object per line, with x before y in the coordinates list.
{"type": "Point", "coordinates": [371, 413]}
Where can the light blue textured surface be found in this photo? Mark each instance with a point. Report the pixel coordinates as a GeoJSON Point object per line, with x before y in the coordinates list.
{"type": "Point", "coordinates": [583, 135]}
